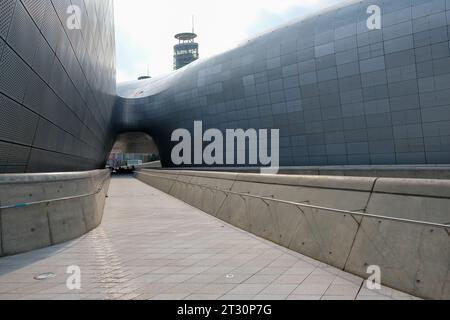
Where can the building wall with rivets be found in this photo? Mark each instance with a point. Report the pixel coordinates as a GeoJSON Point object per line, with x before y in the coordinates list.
{"type": "Point", "coordinates": [340, 93]}
{"type": "Point", "coordinates": [57, 85]}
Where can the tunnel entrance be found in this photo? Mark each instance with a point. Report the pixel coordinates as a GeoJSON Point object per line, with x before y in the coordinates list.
{"type": "Point", "coordinates": [131, 150]}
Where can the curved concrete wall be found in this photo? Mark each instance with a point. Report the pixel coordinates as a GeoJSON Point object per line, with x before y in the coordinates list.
{"type": "Point", "coordinates": [439, 172]}
{"type": "Point", "coordinates": [41, 210]}
{"type": "Point", "coordinates": [413, 258]}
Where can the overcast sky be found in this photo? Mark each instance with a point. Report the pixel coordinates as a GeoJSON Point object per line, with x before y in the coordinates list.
{"type": "Point", "coordinates": [145, 29]}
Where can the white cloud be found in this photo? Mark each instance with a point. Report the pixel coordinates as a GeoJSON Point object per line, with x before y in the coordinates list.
{"type": "Point", "coordinates": [145, 29]}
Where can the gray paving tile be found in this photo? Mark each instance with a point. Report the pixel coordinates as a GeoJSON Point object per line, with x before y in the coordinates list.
{"type": "Point", "coordinates": [237, 297]}
{"type": "Point", "coordinates": [196, 296]}
{"type": "Point", "coordinates": [247, 289]}
{"type": "Point", "coordinates": [279, 289]}
{"type": "Point", "coordinates": [263, 297]}
{"type": "Point", "coordinates": [304, 297]}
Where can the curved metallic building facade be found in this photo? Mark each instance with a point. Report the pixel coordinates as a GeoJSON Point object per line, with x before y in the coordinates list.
{"type": "Point", "coordinates": [57, 85]}
{"type": "Point", "coordinates": [340, 94]}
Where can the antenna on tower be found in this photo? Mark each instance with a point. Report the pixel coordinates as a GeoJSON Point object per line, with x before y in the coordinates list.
{"type": "Point", "coordinates": [147, 76]}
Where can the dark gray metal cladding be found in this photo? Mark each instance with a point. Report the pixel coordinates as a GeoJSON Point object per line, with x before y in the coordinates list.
{"type": "Point", "coordinates": [340, 94]}
{"type": "Point", "coordinates": [57, 86]}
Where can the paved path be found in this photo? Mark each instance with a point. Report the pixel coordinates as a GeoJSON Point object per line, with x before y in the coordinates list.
{"type": "Point", "coordinates": [152, 246]}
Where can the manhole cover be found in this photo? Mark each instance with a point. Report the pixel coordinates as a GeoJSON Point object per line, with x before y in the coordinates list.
{"type": "Point", "coordinates": [45, 276]}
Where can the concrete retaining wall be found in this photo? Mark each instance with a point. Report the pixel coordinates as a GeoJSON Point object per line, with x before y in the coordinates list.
{"type": "Point", "coordinates": [413, 258]}
{"type": "Point", "coordinates": [29, 225]}
{"type": "Point", "coordinates": [438, 172]}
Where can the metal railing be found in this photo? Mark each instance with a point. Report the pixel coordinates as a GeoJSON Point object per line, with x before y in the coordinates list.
{"type": "Point", "coordinates": [304, 205]}
{"type": "Point", "coordinates": [34, 203]}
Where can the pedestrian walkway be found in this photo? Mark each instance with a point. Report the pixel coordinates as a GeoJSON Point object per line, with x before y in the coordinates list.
{"type": "Point", "coordinates": [152, 246]}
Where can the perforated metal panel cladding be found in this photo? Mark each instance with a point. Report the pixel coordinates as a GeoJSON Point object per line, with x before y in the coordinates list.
{"type": "Point", "coordinates": [6, 13]}
{"type": "Point", "coordinates": [340, 94]}
{"type": "Point", "coordinates": [57, 85]}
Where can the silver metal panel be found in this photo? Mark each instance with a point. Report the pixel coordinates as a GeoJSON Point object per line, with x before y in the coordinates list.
{"type": "Point", "coordinates": [56, 95]}
{"type": "Point", "coordinates": [340, 94]}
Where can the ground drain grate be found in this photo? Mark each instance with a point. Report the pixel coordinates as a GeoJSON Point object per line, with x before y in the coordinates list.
{"type": "Point", "coordinates": [45, 276]}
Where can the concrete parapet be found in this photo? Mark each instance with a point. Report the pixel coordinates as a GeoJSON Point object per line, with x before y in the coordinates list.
{"type": "Point", "coordinates": [379, 171]}
{"type": "Point", "coordinates": [150, 165]}
{"type": "Point", "coordinates": [414, 258]}
{"type": "Point", "coordinates": [40, 210]}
